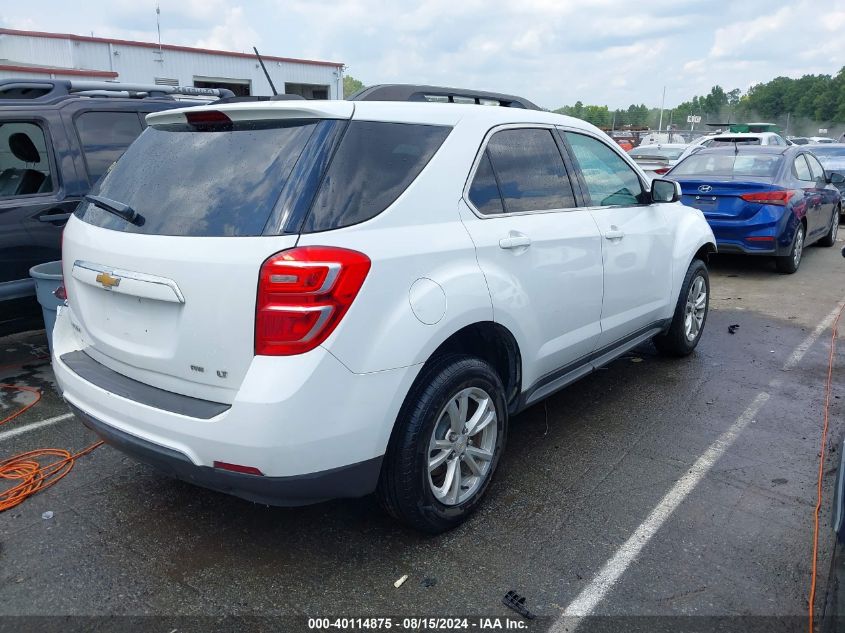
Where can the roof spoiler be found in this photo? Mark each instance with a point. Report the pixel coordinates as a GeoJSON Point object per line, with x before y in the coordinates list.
{"type": "Point", "coordinates": [50, 89]}
{"type": "Point", "coordinates": [440, 94]}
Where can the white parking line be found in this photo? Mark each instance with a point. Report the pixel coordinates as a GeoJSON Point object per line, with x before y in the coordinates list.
{"type": "Point", "coordinates": [799, 352]}
{"type": "Point", "coordinates": [585, 602]}
{"type": "Point", "coordinates": [5, 435]}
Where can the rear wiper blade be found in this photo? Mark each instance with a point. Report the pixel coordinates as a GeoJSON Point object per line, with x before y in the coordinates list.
{"type": "Point", "coordinates": [123, 211]}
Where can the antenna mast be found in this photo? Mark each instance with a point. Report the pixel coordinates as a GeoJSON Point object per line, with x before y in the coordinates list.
{"type": "Point", "coordinates": [266, 74]}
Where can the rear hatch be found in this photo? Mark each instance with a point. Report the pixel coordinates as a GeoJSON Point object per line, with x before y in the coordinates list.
{"type": "Point", "coordinates": [169, 297]}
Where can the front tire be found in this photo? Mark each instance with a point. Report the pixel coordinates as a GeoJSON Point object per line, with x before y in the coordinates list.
{"type": "Point", "coordinates": [446, 445]}
{"type": "Point", "coordinates": [830, 238]}
{"type": "Point", "coordinates": [690, 313]}
{"type": "Point", "coordinates": [789, 264]}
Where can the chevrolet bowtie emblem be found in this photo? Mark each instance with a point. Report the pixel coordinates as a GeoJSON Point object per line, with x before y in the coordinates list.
{"type": "Point", "coordinates": [108, 281]}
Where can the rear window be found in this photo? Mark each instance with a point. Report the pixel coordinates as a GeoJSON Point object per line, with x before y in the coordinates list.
{"type": "Point", "coordinates": [656, 152]}
{"type": "Point", "coordinates": [724, 142]}
{"type": "Point", "coordinates": [201, 183]}
{"type": "Point", "coordinates": [728, 166]}
{"type": "Point", "coordinates": [374, 164]}
{"type": "Point", "coordinates": [104, 137]}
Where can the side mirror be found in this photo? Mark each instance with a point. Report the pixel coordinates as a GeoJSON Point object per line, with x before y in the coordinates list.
{"type": "Point", "coordinates": [665, 190]}
{"type": "Point", "coordinates": [836, 178]}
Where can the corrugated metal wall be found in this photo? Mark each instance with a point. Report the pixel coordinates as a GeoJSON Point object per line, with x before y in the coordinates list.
{"type": "Point", "coordinates": [139, 64]}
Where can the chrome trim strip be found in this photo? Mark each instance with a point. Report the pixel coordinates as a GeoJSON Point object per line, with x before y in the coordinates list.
{"type": "Point", "coordinates": [135, 276]}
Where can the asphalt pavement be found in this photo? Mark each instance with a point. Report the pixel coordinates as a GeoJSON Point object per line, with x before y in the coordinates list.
{"type": "Point", "coordinates": [602, 505]}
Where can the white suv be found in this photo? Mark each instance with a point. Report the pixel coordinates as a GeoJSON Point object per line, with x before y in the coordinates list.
{"type": "Point", "coordinates": [291, 301]}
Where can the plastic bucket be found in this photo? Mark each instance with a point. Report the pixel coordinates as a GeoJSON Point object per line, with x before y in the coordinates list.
{"type": "Point", "coordinates": [47, 278]}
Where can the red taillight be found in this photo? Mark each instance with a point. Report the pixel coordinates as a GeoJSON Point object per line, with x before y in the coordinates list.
{"type": "Point", "coordinates": [237, 468]}
{"type": "Point", "coordinates": [760, 238]}
{"type": "Point", "coordinates": [780, 197]}
{"type": "Point", "coordinates": [303, 294]}
{"type": "Point", "coordinates": [208, 118]}
{"type": "Point", "coordinates": [60, 293]}
{"type": "Point", "coordinates": [661, 170]}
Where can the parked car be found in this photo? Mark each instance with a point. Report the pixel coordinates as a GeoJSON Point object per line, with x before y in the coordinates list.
{"type": "Point", "coordinates": [57, 137]}
{"type": "Point", "coordinates": [770, 201]}
{"type": "Point", "coordinates": [657, 159]}
{"type": "Point", "coordinates": [293, 303]}
{"type": "Point", "coordinates": [832, 158]}
{"type": "Point", "coordinates": [731, 139]}
{"type": "Point", "coordinates": [798, 140]}
{"type": "Point", "coordinates": [820, 140]}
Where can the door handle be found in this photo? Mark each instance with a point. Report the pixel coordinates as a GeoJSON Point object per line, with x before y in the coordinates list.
{"type": "Point", "coordinates": [613, 233]}
{"type": "Point", "coordinates": [515, 240]}
{"type": "Point", "coordinates": [54, 217]}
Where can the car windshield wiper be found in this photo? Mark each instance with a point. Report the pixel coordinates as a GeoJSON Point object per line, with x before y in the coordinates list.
{"type": "Point", "coordinates": [123, 211]}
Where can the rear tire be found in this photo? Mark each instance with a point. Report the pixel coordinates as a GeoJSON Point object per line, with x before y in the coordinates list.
{"type": "Point", "coordinates": [690, 313]}
{"type": "Point", "coordinates": [830, 238]}
{"type": "Point", "coordinates": [789, 264]}
{"type": "Point", "coordinates": [435, 427]}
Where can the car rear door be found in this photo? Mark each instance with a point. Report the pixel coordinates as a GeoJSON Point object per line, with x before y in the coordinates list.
{"type": "Point", "coordinates": [540, 254]}
{"type": "Point", "coordinates": [33, 208]}
{"type": "Point", "coordinates": [813, 197]}
{"type": "Point", "coordinates": [827, 197]}
{"type": "Point", "coordinates": [637, 244]}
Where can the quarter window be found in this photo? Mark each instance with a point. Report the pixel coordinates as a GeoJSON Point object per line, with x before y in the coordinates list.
{"type": "Point", "coordinates": [484, 191]}
{"type": "Point", "coordinates": [24, 163]}
{"type": "Point", "coordinates": [610, 180]}
{"type": "Point", "coordinates": [527, 169]}
{"type": "Point", "coordinates": [104, 137]}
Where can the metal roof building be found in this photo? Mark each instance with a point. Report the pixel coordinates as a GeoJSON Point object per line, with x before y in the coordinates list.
{"type": "Point", "coordinates": [64, 56]}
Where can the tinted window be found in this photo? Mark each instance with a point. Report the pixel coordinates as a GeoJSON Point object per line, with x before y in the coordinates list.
{"type": "Point", "coordinates": [373, 165]}
{"type": "Point", "coordinates": [609, 179]}
{"type": "Point", "coordinates": [727, 166]}
{"type": "Point", "coordinates": [815, 168]}
{"type": "Point", "coordinates": [24, 164]}
{"type": "Point", "coordinates": [656, 152]}
{"type": "Point", "coordinates": [530, 170]}
{"type": "Point", "coordinates": [484, 191]}
{"type": "Point", "coordinates": [104, 137]}
{"type": "Point", "coordinates": [208, 183]}
{"type": "Point", "coordinates": [725, 142]}
{"type": "Point", "coordinates": [801, 170]}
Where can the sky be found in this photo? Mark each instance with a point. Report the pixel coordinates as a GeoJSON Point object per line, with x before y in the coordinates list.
{"type": "Point", "coordinates": [553, 52]}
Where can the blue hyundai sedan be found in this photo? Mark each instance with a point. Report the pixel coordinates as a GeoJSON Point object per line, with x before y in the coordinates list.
{"type": "Point", "coordinates": [763, 200]}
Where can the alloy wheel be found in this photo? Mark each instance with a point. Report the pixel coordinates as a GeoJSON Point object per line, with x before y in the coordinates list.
{"type": "Point", "coordinates": [462, 446]}
{"type": "Point", "coordinates": [695, 308]}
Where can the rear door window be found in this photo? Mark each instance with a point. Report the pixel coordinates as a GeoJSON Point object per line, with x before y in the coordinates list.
{"type": "Point", "coordinates": [24, 160]}
{"type": "Point", "coordinates": [816, 169]}
{"type": "Point", "coordinates": [610, 180]}
{"type": "Point", "coordinates": [801, 169]}
{"type": "Point", "coordinates": [528, 170]}
{"type": "Point", "coordinates": [372, 167]}
{"type": "Point", "coordinates": [104, 137]}
{"type": "Point", "coordinates": [219, 182]}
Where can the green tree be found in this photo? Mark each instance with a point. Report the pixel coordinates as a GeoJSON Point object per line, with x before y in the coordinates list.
{"type": "Point", "coordinates": [351, 85]}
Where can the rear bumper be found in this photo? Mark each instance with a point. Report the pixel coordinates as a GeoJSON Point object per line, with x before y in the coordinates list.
{"type": "Point", "coordinates": [353, 480]}
{"type": "Point", "coordinates": [776, 223]}
{"type": "Point", "coordinates": [314, 429]}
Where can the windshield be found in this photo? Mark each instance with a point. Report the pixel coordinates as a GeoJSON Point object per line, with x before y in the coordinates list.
{"type": "Point", "coordinates": [201, 183]}
{"type": "Point", "coordinates": [656, 152]}
{"type": "Point", "coordinates": [729, 166]}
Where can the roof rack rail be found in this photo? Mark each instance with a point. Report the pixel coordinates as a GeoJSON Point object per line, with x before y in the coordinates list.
{"type": "Point", "coordinates": [51, 89]}
{"type": "Point", "coordinates": [439, 94]}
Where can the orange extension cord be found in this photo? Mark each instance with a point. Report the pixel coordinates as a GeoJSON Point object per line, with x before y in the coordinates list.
{"type": "Point", "coordinates": [827, 389]}
{"type": "Point", "coordinates": [25, 468]}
